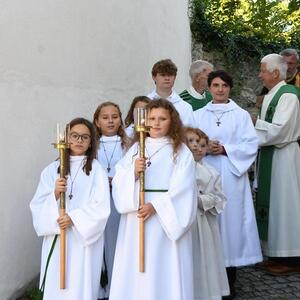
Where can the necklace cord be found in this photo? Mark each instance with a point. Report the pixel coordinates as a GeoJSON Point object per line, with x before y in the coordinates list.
{"type": "Point", "coordinates": [112, 154]}
{"type": "Point", "coordinates": [73, 179]}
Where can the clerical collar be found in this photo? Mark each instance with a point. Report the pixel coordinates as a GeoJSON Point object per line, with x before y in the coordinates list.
{"type": "Point", "coordinates": [195, 94]}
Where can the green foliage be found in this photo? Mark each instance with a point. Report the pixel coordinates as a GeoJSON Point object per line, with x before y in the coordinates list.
{"type": "Point", "coordinates": [246, 28]}
{"type": "Point", "coordinates": [34, 294]}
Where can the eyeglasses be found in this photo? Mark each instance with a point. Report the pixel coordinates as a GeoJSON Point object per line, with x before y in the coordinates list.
{"type": "Point", "coordinates": [74, 136]}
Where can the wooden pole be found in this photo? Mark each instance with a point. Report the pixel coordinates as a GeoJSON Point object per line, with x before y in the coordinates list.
{"type": "Point", "coordinates": [142, 202]}
{"type": "Point", "coordinates": [62, 211]}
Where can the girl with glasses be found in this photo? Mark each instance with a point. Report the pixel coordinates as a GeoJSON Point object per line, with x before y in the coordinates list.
{"type": "Point", "coordinates": [87, 210]}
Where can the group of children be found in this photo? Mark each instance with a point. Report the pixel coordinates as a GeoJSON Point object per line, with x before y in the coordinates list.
{"type": "Point", "coordinates": [183, 196]}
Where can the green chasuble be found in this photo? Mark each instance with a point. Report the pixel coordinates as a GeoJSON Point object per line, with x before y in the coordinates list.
{"type": "Point", "coordinates": [265, 167]}
{"type": "Point", "coordinates": [194, 102]}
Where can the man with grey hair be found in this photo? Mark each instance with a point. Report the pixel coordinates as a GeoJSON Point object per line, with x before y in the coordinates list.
{"type": "Point", "coordinates": [277, 203]}
{"type": "Point", "coordinates": [198, 95]}
{"type": "Point", "coordinates": [291, 57]}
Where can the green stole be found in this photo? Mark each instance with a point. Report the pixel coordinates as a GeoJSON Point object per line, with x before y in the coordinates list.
{"type": "Point", "coordinates": [265, 167]}
{"type": "Point", "coordinates": [194, 102]}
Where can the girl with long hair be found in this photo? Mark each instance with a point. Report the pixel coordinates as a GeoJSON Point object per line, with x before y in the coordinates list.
{"type": "Point", "coordinates": [168, 212]}
{"type": "Point", "coordinates": [139, 101]}
{"type": "Point", "coordinates": [87, 210]}
{"type": "Point", "coordinates": [112, 145]}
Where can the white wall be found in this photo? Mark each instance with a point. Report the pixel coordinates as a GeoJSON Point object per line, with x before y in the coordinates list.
{"type": "Point", "coordinates": [58, 60]}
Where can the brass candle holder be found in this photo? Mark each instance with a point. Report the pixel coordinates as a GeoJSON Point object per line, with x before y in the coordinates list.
{"type": "Point", "coordinates": [141, 126]}
{"type": "Point", "coordinates": [62, 144]}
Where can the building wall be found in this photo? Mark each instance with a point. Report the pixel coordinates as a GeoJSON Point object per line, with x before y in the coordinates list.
{"type": "Point", "coordinates": [59, 60]}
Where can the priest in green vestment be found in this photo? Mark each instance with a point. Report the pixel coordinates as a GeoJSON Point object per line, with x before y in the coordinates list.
{"type": "Point", "coordinates": [198, 95]}
{"type": "Point", "coordinates": [277, 203]}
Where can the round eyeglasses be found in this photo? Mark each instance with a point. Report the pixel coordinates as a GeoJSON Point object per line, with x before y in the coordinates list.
{"type": "Point", "coordinates": [74, 137]}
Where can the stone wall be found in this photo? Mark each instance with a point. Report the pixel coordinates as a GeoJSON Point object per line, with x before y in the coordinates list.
{"type": "Point", "coordinates": [247, 85]}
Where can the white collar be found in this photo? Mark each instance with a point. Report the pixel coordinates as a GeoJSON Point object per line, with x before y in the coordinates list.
{"type": "Point", "coordinates": [195, 94]}
{"type": "Point", "coordinates": [162, 140]}
{"type": "Point", "coordinates": [75, 158]}
{"type": "Point", "coordinates": [274, 89]}
{"type": "Point", "coordinates": [107, 139]}
{"type": "Point", "coordinates": [221, 107]}
{"type": "Point", "coordinates": [173, 98]}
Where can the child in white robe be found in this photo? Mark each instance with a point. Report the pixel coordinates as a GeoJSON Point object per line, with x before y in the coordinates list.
{"type": "Point", "coordinates": [169, 210]}
{"type": "Point", "coordinates": [112, 145]}
{"type": "Point", "coordinates": [210, 279]}
{"type": "Point", "coordinates": [87, 210]}
{"type": "Point", "coordinates": [139, 101]}
{"type": "Point", "coordinates": [164, 74]}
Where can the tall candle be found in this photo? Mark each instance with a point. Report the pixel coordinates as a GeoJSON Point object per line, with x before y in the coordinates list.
{"type": "Point", "coordinates": [57, 133]}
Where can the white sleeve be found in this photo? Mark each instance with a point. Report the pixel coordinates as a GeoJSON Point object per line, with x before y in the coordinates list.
{"type": "Point", "coordinates": [124, 185]}
{"type": "Point", "coordinates": [242, 153]}
{"type": "Point", "coordinates": [176, 209]}
{"type": "Point", "coordinates": [213, 200]}
{"type": "Point", "coordinates": [44, 206]}
{"type": "Point", "coordinates": [282, 129]}
{"type": "Point", "coordinates": [90, 219]}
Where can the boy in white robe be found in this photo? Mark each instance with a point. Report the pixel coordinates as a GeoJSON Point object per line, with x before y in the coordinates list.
{"type": "Point", "coordinates": [210, 279]}
{"type": "Point", "coordinates": [164, 74]}
{"type": "Point", "coordinates": [168, 212]}
{"type": "Point", "coordinates": [233, 148]}
{"type": "Point", "coordinates": [87, 210]}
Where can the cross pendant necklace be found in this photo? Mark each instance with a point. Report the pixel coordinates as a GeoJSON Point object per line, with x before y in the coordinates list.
{"type": "Point", "coordinates": [112, 154]}
{"type": "Point", "coordinates": [150, 156]}
{"type": "Point", "coordinates": [218, 122]}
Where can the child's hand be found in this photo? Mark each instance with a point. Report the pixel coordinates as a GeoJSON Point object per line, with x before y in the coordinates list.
{"type": "Point", "coordinates": [146, 211]}
{"type": "Point", "coordinates": [60, 186]}
{"type": "Point", "coordinates": [64, 222]}
{"type": "Point", "coordinates": [139, 166]}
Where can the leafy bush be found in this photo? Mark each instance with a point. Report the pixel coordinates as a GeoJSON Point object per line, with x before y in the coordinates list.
{"type": "Point", "coordinates": [245, 29]}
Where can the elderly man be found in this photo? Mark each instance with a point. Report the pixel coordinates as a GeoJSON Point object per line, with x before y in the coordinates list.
{"type": "Point", "coordinates": [291, 57]}
{"type": "Point", "coordinates": [198, 95]}
{"type": "Point", "coordinates": [277, 204]}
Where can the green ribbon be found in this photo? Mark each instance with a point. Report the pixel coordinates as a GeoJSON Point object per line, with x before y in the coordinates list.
{"type": "Point", "coordinates": [155, 191]}
{"type": "Point", "coordinates": [48, 261]}
{"type": "Point", "coordinates": [265, 159]}
{"type": "Point", "coordinates": [38, 293]}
